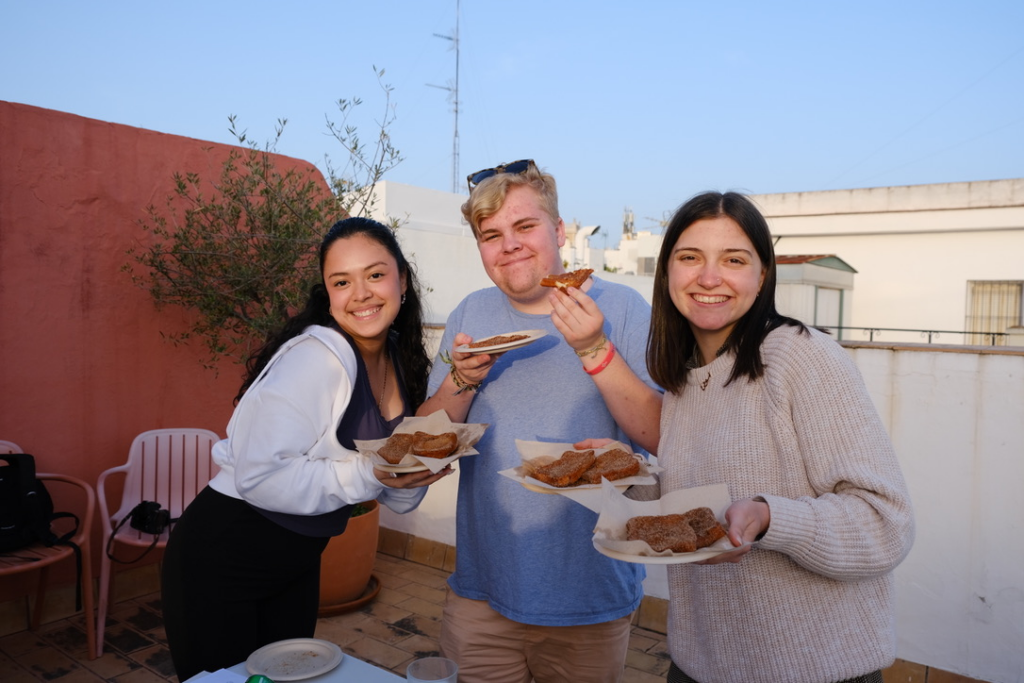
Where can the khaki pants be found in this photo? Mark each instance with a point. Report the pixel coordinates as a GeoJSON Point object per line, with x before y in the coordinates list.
{"type": "Point", "coordinates": [492, 649]}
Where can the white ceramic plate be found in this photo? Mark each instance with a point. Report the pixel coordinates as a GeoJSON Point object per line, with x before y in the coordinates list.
{"type": "Point", "coordinates": [294, 660]}
{"type": "Point", "coordinates": [675, 558]}
{"type": "Point", "coordinates": [531, 336]}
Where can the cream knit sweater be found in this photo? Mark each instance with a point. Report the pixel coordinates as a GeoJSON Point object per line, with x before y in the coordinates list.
{"type": "Point", "coordinates": [813, 601]}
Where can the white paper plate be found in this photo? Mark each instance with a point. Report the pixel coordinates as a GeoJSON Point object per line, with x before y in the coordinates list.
{"type": "Point", "coordinates": [401, 469]}
{"type": "Point", "coordinates": [674, 558]}
{"type": "Point", "coordinates": [531, 336]}
{"type": "Point", "coordinates": [294, 660]}
{"type": "Point", "coordinates": [418, 467]}
{"type": "Point", "coordinates": [528, 484]}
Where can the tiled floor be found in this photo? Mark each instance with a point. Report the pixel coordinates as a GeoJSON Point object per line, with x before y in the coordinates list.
{"type": "Point", "coordinates": [402, 623]}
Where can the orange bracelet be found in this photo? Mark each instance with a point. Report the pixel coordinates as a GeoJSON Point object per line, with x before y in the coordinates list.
{"type": "Point", "coordinates": [605, 362]}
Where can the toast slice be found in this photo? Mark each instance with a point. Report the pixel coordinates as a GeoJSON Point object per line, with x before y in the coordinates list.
{"type": "Point", "coordinates": [434, 445]}
{"type": "Point", "coordinates": [611, 465]}
{"type": "Point", "coordinates": [705, 526]}
{"type": "Point", "coordinates": [566, 470]}
{"type": "Point", "coordinates": [663, 532]}
{"type": "Point", "coordinates": [496, 340]}
{"type": "Point", "coordinates": [685, 533]}
{"type": "Point", "coordinates": [574, 279]}
{"type": "Point", "coordinates": [396, 447]}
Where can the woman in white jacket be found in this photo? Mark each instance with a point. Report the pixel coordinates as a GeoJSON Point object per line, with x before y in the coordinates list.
{"type": "Point", "coordinates": [242, 565]}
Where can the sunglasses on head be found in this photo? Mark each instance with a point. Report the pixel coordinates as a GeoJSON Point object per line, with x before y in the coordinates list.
{"type": "Point", "coordinates": [515, 168]}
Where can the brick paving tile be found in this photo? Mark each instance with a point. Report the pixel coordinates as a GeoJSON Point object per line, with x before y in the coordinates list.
{"type": "Point", "coordinates": [401, 625]}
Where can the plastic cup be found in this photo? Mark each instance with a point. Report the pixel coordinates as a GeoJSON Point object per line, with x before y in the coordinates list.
{"type": "Point", "coordinates": [432, 670]}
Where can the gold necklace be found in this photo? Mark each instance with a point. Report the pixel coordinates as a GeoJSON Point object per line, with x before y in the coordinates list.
{"type": "Point", "coordinates": [697, 361]}
{"type": "Point", "coordinates": [704, 383]}
{"type": "Point", "coordinates": [384, 385]}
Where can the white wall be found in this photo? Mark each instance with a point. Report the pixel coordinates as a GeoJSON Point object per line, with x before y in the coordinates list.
{"type": "Point", "coordinates": [437, 241]}
{"type": "Point", "coordinates": [955, 417]}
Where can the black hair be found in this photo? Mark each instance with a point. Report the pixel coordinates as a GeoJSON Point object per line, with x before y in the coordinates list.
{"type": "Point", "coordinates": [406, 330]}
{"type": "Point", "coordinates": [671, 342]}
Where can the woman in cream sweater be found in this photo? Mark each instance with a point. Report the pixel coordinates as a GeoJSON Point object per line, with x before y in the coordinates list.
{"type": "Point", "coordinates": [778, 411]}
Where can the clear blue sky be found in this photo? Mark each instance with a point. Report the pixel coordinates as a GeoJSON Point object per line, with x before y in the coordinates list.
{"type": "Point", "coordinates": [636, 104]}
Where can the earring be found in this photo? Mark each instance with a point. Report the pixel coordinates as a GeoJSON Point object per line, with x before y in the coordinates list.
{"type": "Point", "coordinates": [403, 298]}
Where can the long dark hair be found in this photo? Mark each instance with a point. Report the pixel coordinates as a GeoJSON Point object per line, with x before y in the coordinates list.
{"type": "Point", "coordinates": [406, 330]}
{"type": "Point", "coordinates": [671, 342]}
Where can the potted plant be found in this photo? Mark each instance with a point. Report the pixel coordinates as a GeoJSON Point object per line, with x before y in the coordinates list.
{"type": "Point", "coordinates": [347, 581]}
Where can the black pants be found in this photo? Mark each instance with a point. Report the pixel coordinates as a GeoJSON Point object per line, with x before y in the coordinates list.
{"type": "Point", "coordinates": [676, 675]}
{"type": "Point", "coordinates": [232, 582]}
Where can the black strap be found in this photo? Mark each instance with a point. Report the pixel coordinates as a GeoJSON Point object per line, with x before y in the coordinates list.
{"type": "Point", "coordinates": [66, 540]}
{"type": "Point", "coordinates": [110, 541]}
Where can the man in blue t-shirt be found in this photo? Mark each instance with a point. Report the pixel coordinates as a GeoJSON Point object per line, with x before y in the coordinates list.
{"type": "Point", "coordinates": [530, 598]}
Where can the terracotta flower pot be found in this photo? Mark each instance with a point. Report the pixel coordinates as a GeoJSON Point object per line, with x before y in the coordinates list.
{"type": "Point", "coordinates": [347, 581]}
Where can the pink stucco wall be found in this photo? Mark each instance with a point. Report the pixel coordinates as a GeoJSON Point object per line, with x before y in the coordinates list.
{"type": "Point", "coordinates": [83, 367]}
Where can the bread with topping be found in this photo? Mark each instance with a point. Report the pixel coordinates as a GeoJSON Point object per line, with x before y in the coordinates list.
{"type": "Point", "coordinates": [575, 279]}
{"type": "Point", "coordinates": [611, 465]}
{"type": "Point", "coordinates": [396, 448]}
{"type": "Point", "coordinates": [662, 532]}
{"type": "Point", "coordinates": [705, 526]}
{"type": "Point", "coordinates": [567, 470]}
{"type": "Point", "coordinates": [680, 533]}
{"type": "Point", "coordinates": [434, 445]}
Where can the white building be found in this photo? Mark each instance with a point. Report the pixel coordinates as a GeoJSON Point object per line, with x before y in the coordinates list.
{"type": "Point", "coordinates": [929, 258]}
{"type": "Point", "coordinates": [931, 261]}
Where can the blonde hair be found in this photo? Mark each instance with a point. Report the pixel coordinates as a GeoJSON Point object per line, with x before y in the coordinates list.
{"type": "Point", "coordinates": [487, 198]}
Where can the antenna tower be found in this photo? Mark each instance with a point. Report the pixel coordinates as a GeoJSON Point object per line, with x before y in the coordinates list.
{"type": "Point", "coordinates": [453, 94]}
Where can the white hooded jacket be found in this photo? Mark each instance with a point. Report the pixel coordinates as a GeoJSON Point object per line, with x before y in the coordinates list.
{"type": "Point", "coordinates": [282, 452]}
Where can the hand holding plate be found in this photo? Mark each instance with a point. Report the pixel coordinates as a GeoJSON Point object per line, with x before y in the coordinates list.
{"type": "Point", "coordinates": [747, 519]}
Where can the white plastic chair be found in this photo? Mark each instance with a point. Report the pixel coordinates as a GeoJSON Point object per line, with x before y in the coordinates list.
{"type": "Point", "coordinates": [167, 466]}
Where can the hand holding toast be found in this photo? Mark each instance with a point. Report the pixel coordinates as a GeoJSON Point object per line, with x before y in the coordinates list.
{"type": "Point", "coordinates": [577, 317]}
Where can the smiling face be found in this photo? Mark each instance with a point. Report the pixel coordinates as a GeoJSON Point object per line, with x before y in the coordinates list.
{"type": "Point", "coordinates": [365, 287]}
{"type": "Point", "coordinates": [519, 246]}
{"type": "Point", "coordinates": [714, 275]}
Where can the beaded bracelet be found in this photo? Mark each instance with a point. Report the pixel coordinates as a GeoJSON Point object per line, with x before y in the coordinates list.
{"type": "Point", "coordinates": [461, 384]}
{"type": "Point", "coordinates": [605, 362]}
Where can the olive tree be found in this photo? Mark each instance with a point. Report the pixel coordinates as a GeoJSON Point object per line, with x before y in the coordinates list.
{"type": "Point", "coordinates": [240, 250]}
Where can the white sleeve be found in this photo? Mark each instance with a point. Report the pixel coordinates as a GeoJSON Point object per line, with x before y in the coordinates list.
{"type": "Point", "coordinates": [286, 455]}
{"type": "Point", "coordinates": [402, 500]}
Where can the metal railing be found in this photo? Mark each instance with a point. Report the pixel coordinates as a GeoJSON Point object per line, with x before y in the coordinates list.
{"type": "Point", "coordinates": [994, 338]}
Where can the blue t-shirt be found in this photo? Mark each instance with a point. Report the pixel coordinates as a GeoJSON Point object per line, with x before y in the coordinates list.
{"type": "Point", "coordinates": [530, 555]}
